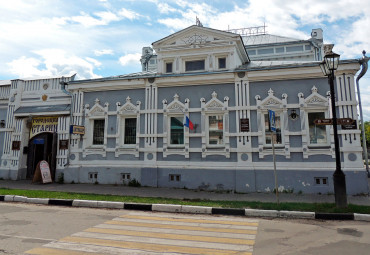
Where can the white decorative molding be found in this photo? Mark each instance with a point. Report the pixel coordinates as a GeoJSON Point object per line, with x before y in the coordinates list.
{"type": "Point", "coordinates": [195, 39]}
{"type": "Point", "coordinates": [179, 109]}
{"type": "Point", "coordinates": [271, 102]}
{"type": "Point", "coordinates": [128, 110]}
{"type": "Point", "coordinates": [212, 107]}
{"type": "Point", "coordinates": [95, 113]}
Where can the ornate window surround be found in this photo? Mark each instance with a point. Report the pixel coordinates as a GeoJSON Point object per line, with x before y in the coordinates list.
{"type": "Point", "coordinates": [174, 109]}
{"type": "Point", "coordinates": [215, 107]}
{"type": "Point", "coordinates": [314, 103]}
{"type": "Point", "coordinates": [128, 110]}
{"type": "Point", "coordinates": [271, 102]}
{"type": "Point", "coordinates": [97, 112]}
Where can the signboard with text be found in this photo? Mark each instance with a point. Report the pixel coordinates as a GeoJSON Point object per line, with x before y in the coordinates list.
{"type": "Point", "coordinates": [43, 124]}
{"type": "Point", "coordinates": [244, 125]}
{"type": "Point", "coordinates": [79, 130]}
{"type": "Point", "coordinates": [272, 121]}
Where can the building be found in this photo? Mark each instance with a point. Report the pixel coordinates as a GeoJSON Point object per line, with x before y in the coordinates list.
{"type": "Point", "coordinates": [133, 124]}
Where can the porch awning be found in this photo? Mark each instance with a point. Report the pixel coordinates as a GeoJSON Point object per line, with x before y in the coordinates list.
{"type": "Point", "coordinates": [61, 109]}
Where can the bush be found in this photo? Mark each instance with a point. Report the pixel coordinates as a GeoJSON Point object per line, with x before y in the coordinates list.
{"type": "Point", "coordinates": [60, 178]}
{"type": "Point", "coordinates": [134, 183]}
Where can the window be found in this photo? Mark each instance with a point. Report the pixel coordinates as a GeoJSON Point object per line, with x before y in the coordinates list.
{"type": "Point", "coordinates": [323, 181]}
{"type": "Point", "coordinates": [221, 63]}
{"type": "Point", "coordinates": [317, 133]}
{"type": "Point", "coordinates": [175, 177]}
{"type": "Point", "coordinates": [169, 67]}
{"type": "Point", "coordinates": [276, 135]}
{"type": "Point", "coordinates": [194, 65]}
{"type": "Point", "coordinates": [98, 132]}
{"type": "Point", "coordinates": [130, 131]}
{"type": "Point", "coordinates": [216, 130]}
{"type": "Point", "coordinates": [177, 131]}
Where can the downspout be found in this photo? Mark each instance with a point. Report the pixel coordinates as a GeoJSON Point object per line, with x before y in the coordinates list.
{"type": "Point", "coordinates": [363, 62]}
{"type": "Point", "coordinates": [63, 87]}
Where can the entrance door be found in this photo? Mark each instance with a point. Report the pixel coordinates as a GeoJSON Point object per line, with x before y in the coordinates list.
{"type": "Point", "coordinates": [41, 147]}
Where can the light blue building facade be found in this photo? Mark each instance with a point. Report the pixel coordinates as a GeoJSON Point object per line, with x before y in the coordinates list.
{"type": "Point", "coordinates": [134, 123]}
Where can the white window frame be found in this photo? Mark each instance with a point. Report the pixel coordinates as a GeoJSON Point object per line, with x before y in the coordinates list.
{"type": "Point", "coordinates": [97, 112]}
{"type": "Point", "coordinates": [195, 58]}
{"type": "Point", "coordinates": [170, 145]}
{"type": "Point", "coordinates": [215, 107]}
{"type": "Point", "coordinates": [327, 130]}
{"type": "Point", "coordinates": [218, 57]}
{"type": "Point", "coordinates": [209, 114]}
{"type": "Point", "coordinates": [281, 116]}
{"type": "Point", "coordinates": [123, 135]}
{"type": "Point", "coordinates": [175, 109]}
{"type": "Point", "coordinates": [127, 111]}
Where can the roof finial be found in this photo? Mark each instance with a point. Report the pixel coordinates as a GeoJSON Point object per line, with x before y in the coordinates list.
{"type": "Point", "coordinates": [198, 23]}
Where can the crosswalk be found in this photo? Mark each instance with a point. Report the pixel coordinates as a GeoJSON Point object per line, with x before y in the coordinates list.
{"type": "Point", "coordinates": [150, 233]}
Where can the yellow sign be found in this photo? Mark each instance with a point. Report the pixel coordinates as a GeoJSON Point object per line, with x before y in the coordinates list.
{"type": "Point", "coordinates": [44, 124]}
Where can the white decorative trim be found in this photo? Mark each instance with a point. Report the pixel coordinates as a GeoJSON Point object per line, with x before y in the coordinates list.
{"type": "Point", "coordinates": [95, 113]}
{"type": "Point", "coordinates": [271, 102]}
{"type": "Point", "coordinates": [313, 103]}
{"type": "Point", "coordinates": [175, 109]}
{"type": "Point", "coordinates": [128, 110]}
{"type": "Point", "coordinates": [215, 107]}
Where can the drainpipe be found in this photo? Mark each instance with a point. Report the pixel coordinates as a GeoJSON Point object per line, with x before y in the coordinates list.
{"type": "Point", "coordinates": [363, 62]}
{"type": "Point", "coordinates": [63, 87]}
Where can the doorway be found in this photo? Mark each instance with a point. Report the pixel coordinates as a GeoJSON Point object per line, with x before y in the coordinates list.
{"type": "Point", "coordinates": [42, 147]}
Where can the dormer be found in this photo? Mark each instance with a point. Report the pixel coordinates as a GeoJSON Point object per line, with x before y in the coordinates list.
{"type": "Point", "coordinates": [199, 49]}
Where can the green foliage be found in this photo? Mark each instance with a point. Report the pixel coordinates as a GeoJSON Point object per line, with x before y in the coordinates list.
{"type": "Point", "coordinates": [308, 207]}
{"type": "Point", "coordinates": [134, 183]}
{"type": "Point", "coordinates": [367, 133]}
{"type": "Point", "coordinates": [60, 178]}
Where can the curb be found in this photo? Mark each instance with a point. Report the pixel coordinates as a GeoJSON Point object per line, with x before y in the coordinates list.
{"type": "Point", "coordinates": [171, 208]}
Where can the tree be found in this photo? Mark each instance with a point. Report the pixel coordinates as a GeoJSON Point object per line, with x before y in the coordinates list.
{"type": "Point", "coordinates": [367, 133]}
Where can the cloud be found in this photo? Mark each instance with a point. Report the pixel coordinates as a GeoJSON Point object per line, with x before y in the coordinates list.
{"type": "Point", "coordinates": [165, 8]}
{"type": "Point", "coordinates": [128, 14]}
{"type": "Point", "coordinates": [53, 62]}
{"type": "Point", "coordinates": [130, 59]}
{"type": "Point", "coordinates": [103, 52]}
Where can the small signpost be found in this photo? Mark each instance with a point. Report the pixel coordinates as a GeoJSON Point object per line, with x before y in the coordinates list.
{"type": "Point", "coordinates": [346, 123]}
{"type": "Point", "coordinates": [272, 125]}
{"type": "Point", "coordinates": [42, 172]}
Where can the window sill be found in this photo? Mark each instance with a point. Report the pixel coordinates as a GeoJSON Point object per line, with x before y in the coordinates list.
{"type": "Point", "coordinates": [323, 146]}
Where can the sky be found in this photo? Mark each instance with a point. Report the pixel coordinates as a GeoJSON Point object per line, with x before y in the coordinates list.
{"type": "Point", "coordinates": [100, 38]}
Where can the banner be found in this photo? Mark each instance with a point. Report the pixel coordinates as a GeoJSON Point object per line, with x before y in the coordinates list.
{"type": "Point", "coordinates": [43, 124]}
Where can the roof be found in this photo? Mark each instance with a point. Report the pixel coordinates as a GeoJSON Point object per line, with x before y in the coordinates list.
{"type": "Point", "coordinates": [46, 77]}
{"type": "Point", "coordinates": [251, 66]}
{"type": "Point", "coordinates": [43, 109]}
{"type": "Point", "coordinates": [5, 82]}
{"type": "Point", "coordinates": [195, 26]}
{"type": "Point", "coordinates": [254, 40]}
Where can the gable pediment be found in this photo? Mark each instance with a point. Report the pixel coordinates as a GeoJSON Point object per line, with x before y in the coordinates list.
{"type": "Point", "coordinates": [194, 35]}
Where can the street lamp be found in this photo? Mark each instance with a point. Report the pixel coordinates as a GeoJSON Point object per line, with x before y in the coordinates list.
{"type": "Point", "coordinates": [328, 67]}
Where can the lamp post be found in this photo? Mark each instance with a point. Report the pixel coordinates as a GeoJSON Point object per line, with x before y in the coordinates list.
{"type": "Point", "coordinates": [328, 67]}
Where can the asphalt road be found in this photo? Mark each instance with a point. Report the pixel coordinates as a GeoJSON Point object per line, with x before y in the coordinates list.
{"type": "Point", "coordinates": [40, 229]}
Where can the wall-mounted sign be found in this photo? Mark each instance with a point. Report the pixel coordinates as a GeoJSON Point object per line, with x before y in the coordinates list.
{"type": "Point", "coordinates": [79, 130]}
{"type": "Point", "coordinates": [43, 124]}
{"type": "Point", "coordinates": [63, 144]}
{"type": "Point", "coordinates": [323, 121]}
{"type": "Point", "coordinates": [244, 125]}
{"type": "Point", "coordinates": [16, 145]}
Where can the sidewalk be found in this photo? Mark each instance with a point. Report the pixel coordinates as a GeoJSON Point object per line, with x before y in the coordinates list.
{"type": "Point", "coordinates": [178, 193]}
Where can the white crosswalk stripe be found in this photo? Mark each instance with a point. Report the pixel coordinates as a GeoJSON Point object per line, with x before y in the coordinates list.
{"type": "Point", "coordinates": [153, 233]}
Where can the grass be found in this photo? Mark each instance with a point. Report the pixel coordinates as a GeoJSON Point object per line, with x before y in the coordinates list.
{"type": "Point", "coordinates": [308, 207]}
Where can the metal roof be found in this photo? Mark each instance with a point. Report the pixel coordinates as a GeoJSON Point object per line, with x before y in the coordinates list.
{"type": "Point", "coordinates": [253, 40]}
{"type": "Point", "coordinates": [43, 109]}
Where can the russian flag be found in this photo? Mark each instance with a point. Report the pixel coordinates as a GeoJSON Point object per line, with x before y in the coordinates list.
{"type": "Point", "coordinates": [188, 123]}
